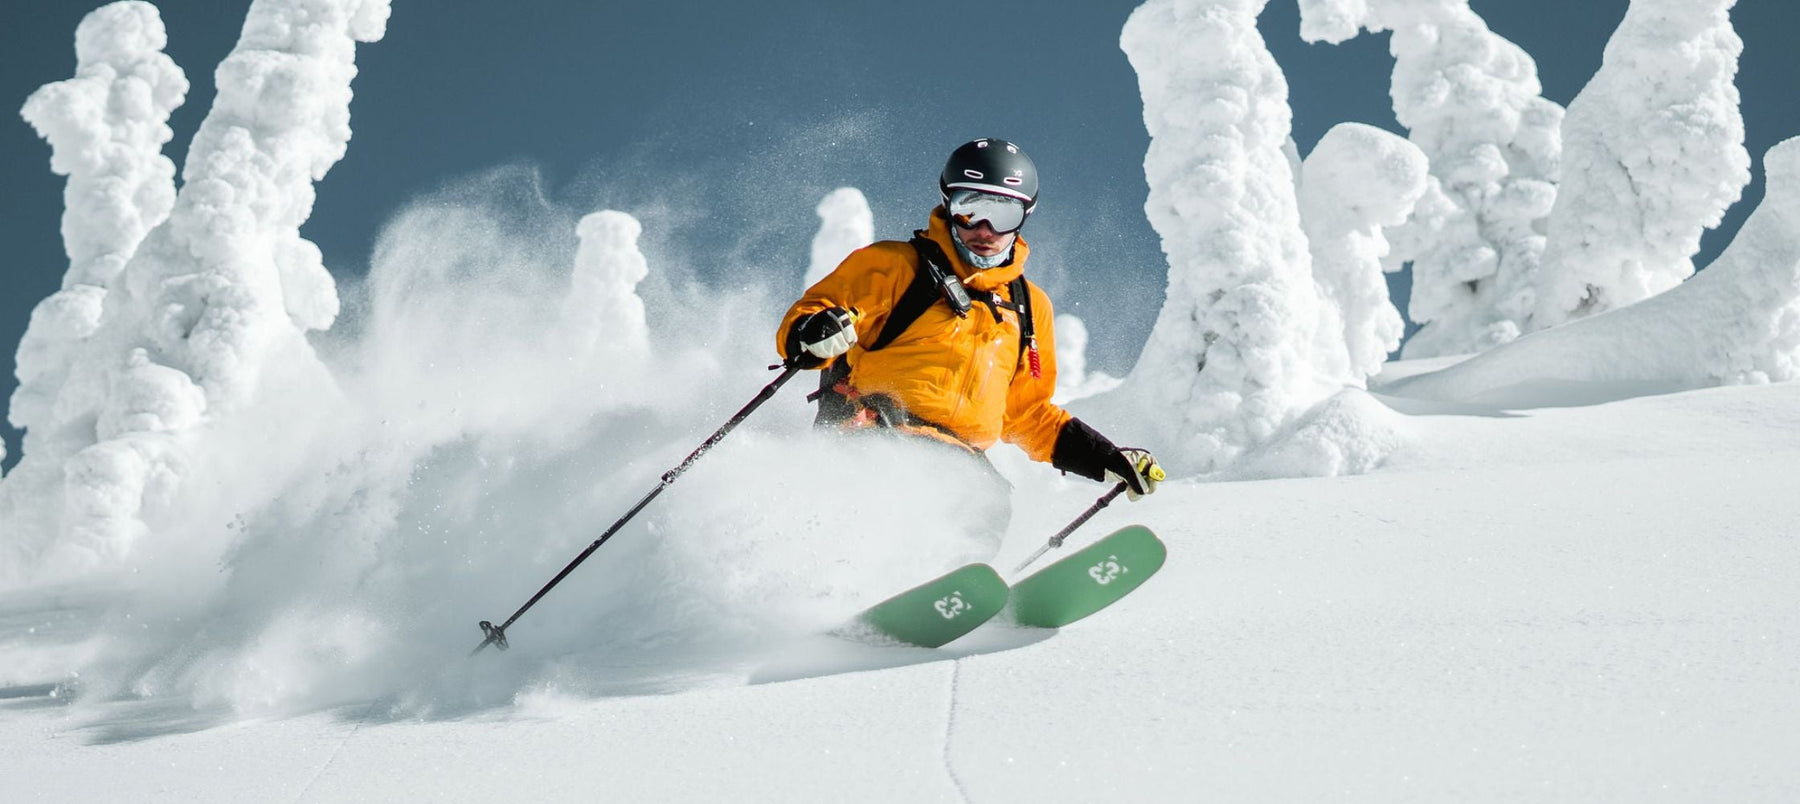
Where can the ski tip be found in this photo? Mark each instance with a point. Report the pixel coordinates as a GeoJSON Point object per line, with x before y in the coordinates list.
{"type": "Point", "coordinates": [939, 610]}
{"type": "Point", "coordinates": [1088, 580]}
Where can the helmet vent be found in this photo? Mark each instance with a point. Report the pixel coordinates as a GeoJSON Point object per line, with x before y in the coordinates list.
{"type": "Point", "coordinates": [1013, 180]}
{"type": "Point", "coordinates": [974, 174]}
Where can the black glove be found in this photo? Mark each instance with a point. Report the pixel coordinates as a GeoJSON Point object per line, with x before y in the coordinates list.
{"type": "Point", "coordinates": [1137, 469]}
{"type": "Point", "coordinates": [816, 338]}
{"type": "Point", "coordinates": [1083, 450]}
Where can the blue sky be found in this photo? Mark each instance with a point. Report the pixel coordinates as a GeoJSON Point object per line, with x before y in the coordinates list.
{"type": "Point", "coordinates": [742, 123]}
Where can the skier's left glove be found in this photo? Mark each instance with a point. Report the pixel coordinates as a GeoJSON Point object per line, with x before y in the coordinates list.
{"type": "Point", "coordinates": [1084, 451]}
{"type": "Point", "coordinates": [1137, 469]}
{"type": "Point", "coordinates": [815, 339]}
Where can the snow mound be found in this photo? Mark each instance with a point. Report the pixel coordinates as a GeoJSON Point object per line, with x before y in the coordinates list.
{"type": "Point", "coordinates": [1349, 434]}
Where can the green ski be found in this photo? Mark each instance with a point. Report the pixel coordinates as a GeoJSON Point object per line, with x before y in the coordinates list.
{"type": "Point", "coordinates": [1088, 580]}
{"type": "Point", "coordinates": [937, 611]}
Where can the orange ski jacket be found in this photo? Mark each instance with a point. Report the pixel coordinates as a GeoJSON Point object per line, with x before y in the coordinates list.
{"type": "Point", "coordinates": [967, 376]}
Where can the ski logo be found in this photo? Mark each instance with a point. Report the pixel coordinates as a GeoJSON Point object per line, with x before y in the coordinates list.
{"type": "Point", "coordinates": [952, 606]}
{"type": "Point", "coordinates": [1107, 571]}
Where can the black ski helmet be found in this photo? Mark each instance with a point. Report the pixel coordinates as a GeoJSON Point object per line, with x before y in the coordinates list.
{"type": "Point", "coordinates": [992, 166]}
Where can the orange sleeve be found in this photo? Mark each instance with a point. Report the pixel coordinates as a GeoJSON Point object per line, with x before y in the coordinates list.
{"type": "Point", "coordinates": [868, 282]}
{"type": "Point", "coordinates": [1032, 422]}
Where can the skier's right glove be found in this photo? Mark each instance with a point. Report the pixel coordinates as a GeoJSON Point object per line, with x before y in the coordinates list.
{"type": "Point", "coordinates": [826, 333]}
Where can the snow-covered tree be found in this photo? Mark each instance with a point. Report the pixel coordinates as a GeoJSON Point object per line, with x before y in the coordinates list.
{"type": "Point", "coordinates": [1232, 356]}
{"type": "Point", "coordinates": [1653, 156]}
{"type": "Point", "coordinates": [209, 314]}
{"type": "Point", "coordinates": [106, 128]}
{"type": "Point", "coordinates": [1073, 379]}
{"type": "Point", "coordinates": [1356, 181]}
{"type": "Point", "coordinates": [1746, 304]}
{"type": "Point", "coordinates": [1071, 351]}
{"type": "Point", "coordinates": [845, 225]}
{"type": "Point", "coordinates": [1471, 100]}
{"type": "Point", "coordinates": [1736, 322]}
{"type": "Point", "coordinates": [603, 308]}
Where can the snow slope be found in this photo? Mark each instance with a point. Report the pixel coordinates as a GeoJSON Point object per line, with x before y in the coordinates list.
{"type": "Point", "coordinates": [1586, 595]}
{"type": "Point", "coordinates": [1564, 603]}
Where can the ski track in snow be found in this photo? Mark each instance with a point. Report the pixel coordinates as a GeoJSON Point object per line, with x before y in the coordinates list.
{"type": "Point", "coordinates": [962, 792]}
{"type": "Point", "coordinates": [354, 730]}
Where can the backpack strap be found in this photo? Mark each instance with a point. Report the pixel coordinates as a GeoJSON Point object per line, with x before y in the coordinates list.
{"type": "Point", "coordinates": [931, 281]}
{"type": "Point", "coordinates": [1020, 290]}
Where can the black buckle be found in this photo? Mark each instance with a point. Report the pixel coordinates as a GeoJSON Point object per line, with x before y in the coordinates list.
{"type": "Point", "coordinates": [955, 294]}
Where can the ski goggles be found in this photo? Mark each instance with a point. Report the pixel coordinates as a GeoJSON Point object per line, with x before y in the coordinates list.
{"type": "Point", "coordinates": [971, 208]}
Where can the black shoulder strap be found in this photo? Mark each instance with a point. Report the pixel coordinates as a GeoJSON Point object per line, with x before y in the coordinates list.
{"type": "Point", "coordinates": [928, 285]}
{"type": "Point", "coordinates": [1020, 290]}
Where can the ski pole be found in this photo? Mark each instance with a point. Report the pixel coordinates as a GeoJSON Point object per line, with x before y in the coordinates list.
{"type": "Point", "coordinates": [496, 634]}
{"type": "Point", "coordinates": [1057, 540]}
{"type": "Point", "coordinates": [1156, 473]}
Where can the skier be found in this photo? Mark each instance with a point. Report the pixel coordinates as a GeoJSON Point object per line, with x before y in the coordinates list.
{"type": "Point", "coordinates": [957, 350]}
{"type": "Point", "coordinates": [942, 337]}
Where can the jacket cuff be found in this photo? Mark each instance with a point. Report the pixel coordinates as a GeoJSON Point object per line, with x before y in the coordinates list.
{"type": "Point", "coordinates": [1082, 450]}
